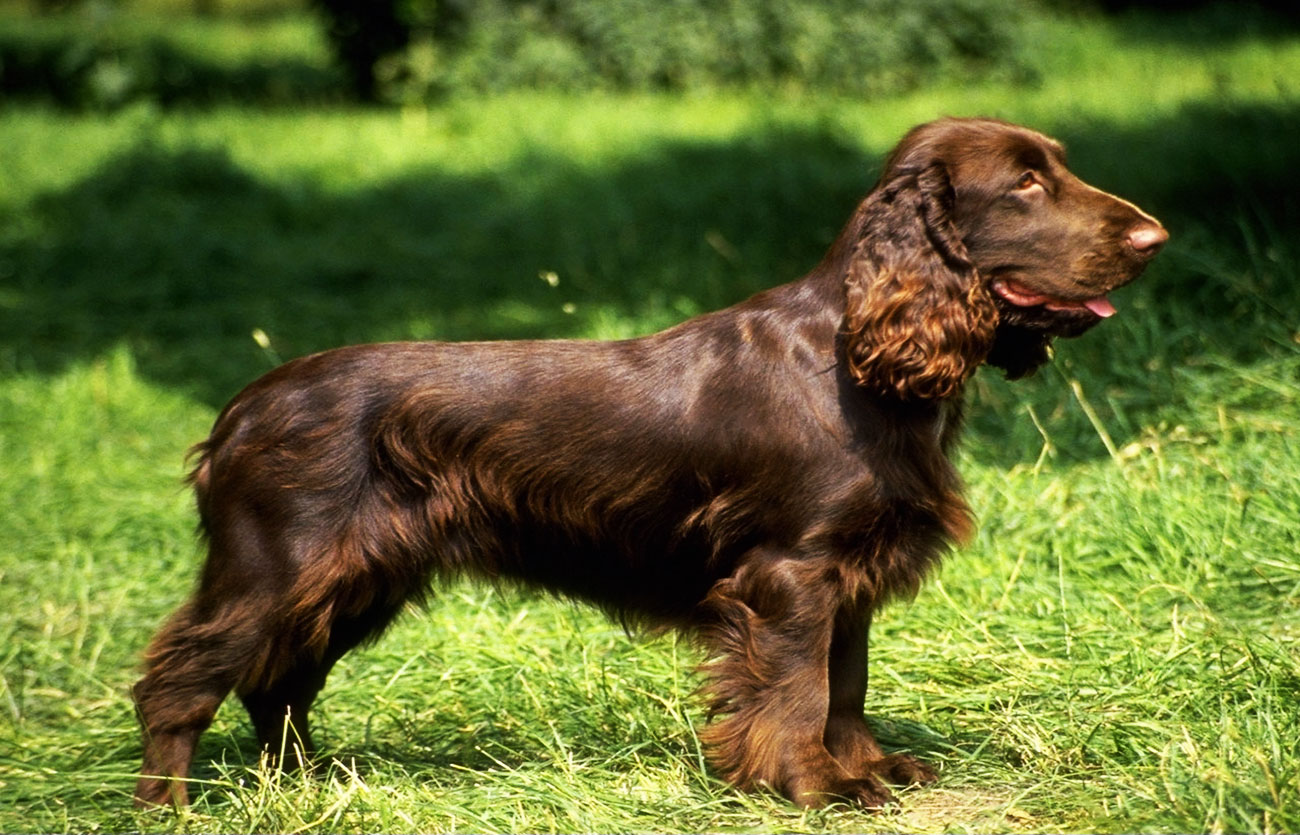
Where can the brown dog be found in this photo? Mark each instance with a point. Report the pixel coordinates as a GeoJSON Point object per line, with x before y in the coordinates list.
{"type": "Point", "coordinates": [764, 476]}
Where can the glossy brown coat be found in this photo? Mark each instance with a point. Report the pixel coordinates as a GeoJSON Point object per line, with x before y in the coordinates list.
{"type": "Point", "coordinates": [764, 476]}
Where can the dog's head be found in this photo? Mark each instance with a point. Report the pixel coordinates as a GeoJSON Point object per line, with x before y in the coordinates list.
{"type": "Point", "coordinates": [981, 219]}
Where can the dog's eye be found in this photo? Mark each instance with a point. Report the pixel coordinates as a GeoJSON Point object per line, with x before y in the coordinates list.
{"type": "Point", "coordinates": [1027, 181]}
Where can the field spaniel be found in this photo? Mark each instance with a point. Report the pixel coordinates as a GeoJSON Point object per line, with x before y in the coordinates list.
{"type": "Point", "coordinates": [763, 477]}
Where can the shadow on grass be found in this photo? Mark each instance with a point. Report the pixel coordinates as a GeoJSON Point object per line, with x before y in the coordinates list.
{"type": "Point", "coordinates": [446, 755]}
{"type": "Point", "coordinates": [181, 255]}
{"type": "Point", "coordinates": [73, 73]}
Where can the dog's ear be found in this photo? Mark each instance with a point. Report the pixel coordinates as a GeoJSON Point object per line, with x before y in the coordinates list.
{"type": "Point", "coordinates": [918, 320]}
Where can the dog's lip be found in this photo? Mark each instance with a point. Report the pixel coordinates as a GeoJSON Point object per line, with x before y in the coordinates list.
{"type": "Point", "coordinates": [1022, 296]}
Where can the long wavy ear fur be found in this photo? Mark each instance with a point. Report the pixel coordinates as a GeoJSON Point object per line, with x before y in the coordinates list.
{"type": "Point", "coordinates": [917, 320]}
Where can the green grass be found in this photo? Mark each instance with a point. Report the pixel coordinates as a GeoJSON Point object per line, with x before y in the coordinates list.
{"type": "Point", "coordinates": [1119, 649]}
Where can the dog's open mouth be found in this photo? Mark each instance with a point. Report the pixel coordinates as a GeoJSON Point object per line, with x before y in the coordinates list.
{"type": "Point", "coordinates": [1022, 296]}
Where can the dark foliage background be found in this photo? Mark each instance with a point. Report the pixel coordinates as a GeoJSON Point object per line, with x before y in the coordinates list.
{"type": "Point", "coordinates": [90, 53]}
{"type": "Point", "coordinates": [418, 47]}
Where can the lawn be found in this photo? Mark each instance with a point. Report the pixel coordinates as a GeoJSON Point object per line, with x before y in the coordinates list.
{"type": "Point", "coordinates": [1118, 650]}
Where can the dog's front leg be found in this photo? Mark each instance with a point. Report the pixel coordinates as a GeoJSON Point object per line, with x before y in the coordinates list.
{"type": "Point", "coordinates": [770, 631]}
{"type": "Point", "coordinates": [848, 738]}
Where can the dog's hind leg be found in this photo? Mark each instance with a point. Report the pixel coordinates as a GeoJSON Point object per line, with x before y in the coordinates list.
{"type": "Point", "coordinates": [192, 664]}
{"type": "Point", "coordinates": [279, 707]}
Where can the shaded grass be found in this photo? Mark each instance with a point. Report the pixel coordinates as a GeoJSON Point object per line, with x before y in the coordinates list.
{"type": "Point", "coordinates": [1118, 649]}
{"type": "Point", "coordinates": [105, 55]}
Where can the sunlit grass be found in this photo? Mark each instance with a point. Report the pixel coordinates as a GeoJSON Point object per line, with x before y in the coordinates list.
{"type": "Point", "coordinates": [1117, 650]}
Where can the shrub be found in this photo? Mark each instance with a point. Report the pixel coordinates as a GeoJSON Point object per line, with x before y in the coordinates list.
{"type": "Point", "coordinates": [851, 46]}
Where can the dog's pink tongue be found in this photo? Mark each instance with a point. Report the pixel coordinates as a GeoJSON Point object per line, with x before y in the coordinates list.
{"type": "Point", "coordinates": [1101, 306]}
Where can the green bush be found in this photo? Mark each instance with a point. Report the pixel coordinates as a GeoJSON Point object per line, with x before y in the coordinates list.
{"type": "Point", "coordinates": [107, 54]}
{"type": "Point", "coordinates": [851, 46]}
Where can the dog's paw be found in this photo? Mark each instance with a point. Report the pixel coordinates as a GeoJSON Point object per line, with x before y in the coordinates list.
{"type": "Point", "coordinates": [866, 791]}
{"type": "Point", "coordinates": [903, 770]}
